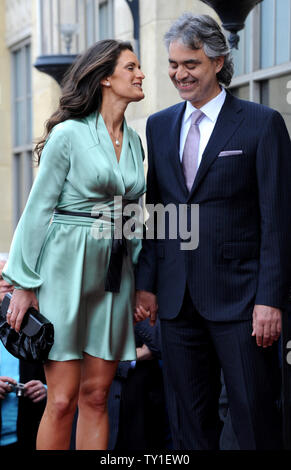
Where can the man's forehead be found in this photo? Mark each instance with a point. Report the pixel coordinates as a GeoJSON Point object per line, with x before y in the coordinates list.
{"type": "Point", "coordinates": [182, 53]}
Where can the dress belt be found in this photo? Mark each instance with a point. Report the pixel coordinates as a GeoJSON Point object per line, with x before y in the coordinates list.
{"type": "Point", "coordinates": [118, 250]}
{"type": "Point", "coordinates": [77, 213]}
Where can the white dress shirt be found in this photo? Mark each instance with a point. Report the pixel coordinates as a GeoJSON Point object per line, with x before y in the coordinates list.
{"type": "Point", "coordinates": [206, 126]}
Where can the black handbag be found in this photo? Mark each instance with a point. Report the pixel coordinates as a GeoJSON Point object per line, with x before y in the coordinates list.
{"type": "Point", "coordinates": [35, 338]}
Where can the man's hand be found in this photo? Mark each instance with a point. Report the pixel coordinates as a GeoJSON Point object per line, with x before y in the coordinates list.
{"type": "Point", "coordinates": [4, 286]}
{"type": "Point", "coordinates": [35, 390]}
{"type": "Point", "coordinates": [146, 306]}
{"type": "Point", "coordinates": [19, 304]}
{"type": "Point", "coordinates": [5, 386]}
{"type": "Point", "coordinates": [267, 324]}
{"type": "Point", "coordinates": [143, 353]}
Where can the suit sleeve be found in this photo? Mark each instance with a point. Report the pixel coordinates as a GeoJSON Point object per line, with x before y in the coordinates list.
{"type": "Point", "coordinates": [274, 193]}
{"type": "Point", "coordinates": [21, 268]}
{"type": "Point", "coordinates": [150, 335]}
{"type": "Point", "coordinates": [146, 271]}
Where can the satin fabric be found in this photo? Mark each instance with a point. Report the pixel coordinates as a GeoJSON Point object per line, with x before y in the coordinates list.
{"type": "Point", "coordinates": [65, 258]}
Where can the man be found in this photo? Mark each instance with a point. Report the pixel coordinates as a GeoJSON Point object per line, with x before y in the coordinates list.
{"type": "Point", "coordinates": [221, 304]}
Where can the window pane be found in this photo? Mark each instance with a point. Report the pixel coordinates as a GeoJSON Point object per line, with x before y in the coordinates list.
{"type": "Point", "coordinates": [28, 137]}
{"type": "Point", "coordinates": [28, 68]}
{"type": "Point", "coordinates": [17, 187]}
{"type": "Point", "coordinates": [19, 123]}
{"type": "Point", "coordinates": [282, 31]}
{"type": "Point", "coordinates": [22, 126]}
{"type": "Point", "coordinates": [264, 92]}
{"type": "Point", "coordinates": [17, 78]}
{"type": "Point", "coordinates": [248, 45]}
{"type": "Point", "coordinates": [103, 20]}
{"type": "Point", "coordinates": [238, 55]}
{"type": "Point", "coordinates": [90, 12]}
{"type": "Point", "coordinates": [267, 33]}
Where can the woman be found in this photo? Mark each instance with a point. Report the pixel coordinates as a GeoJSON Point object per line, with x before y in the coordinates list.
{"type": "Point", "coordinates": [61, 266]}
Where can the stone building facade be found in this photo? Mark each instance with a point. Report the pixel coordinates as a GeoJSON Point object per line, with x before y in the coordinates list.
{"type": "Point", "coordinates": [30, 28]}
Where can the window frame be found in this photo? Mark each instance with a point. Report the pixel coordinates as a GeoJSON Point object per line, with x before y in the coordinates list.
{"type": "Point", "coordinates": [257, 74]}
{"type": "Point", "coordinates": [21, 152]}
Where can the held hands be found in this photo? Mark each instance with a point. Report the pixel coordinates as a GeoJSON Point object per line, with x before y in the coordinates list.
{"type": "Point", "coordinates": [146, 306]}
{"type": "Point", "coordinates": [20, 302]}
{"type": "Point", "coordinates": [267, 324]}
{"type": "Point", "coordinates": [143, 353]}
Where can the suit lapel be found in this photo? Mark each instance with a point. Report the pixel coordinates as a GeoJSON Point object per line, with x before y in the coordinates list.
{"type": "Point", "coordinates": [227, 122]}
{"type": "Point", "coordinates": [174, 143]}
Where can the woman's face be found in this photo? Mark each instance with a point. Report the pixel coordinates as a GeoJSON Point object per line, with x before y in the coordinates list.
{"type": "Point", "coordinates": [126, 80]}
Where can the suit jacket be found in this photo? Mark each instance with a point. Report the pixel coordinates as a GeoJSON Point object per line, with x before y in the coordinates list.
{"type": "Point", "coordinates": [244, 251]}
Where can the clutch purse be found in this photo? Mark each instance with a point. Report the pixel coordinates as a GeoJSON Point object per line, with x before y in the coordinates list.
{"type": "Point", "coordinates": [35, 338]}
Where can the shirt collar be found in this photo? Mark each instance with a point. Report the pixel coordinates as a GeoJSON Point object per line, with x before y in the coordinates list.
{"type": "Point", "coordinates": [210, 109]}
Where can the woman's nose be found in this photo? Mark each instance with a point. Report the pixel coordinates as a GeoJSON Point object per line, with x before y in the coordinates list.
{"type": "Point", "coordinates": [140, 74]}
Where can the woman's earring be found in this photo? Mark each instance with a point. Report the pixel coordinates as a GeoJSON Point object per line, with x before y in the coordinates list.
{"type": "Point", "coordinates": [107, 84]}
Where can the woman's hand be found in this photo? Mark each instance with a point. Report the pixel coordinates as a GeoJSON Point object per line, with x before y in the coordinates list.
{"type": "Point", "coordinates": [19, 304]}
{"type": "Point", "coordinates": [140, 314]}
{"type": "Point", "coordinates": [143, 353]}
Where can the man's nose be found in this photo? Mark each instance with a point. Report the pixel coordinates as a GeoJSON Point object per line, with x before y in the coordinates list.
{"type": "Point", "coordinates": [181, 73]}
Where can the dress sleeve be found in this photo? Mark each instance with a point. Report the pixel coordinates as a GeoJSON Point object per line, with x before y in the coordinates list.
{"type": "Point", "coordinates": [20, 269]}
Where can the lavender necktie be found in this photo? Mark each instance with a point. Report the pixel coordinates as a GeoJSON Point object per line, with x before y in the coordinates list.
{"type": "Point", "coordinates": [191, 149]}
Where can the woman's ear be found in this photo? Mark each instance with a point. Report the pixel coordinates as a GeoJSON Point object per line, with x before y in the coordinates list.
{"type": "Point", "coordinates": [105, 82]}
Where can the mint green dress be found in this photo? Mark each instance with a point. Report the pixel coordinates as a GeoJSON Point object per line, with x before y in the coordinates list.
{"type": "Point", "coordinates": [65, 258]}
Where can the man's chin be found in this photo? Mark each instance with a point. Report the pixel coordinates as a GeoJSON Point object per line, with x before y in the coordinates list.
{"type": "Point", "coordinates": [186, 96]}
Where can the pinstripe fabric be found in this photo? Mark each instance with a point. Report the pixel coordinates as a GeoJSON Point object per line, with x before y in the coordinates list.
{"type": "Point", "coordinates": [194, 349]}
{"type": "Point", "coordinates": [244, 201]}
{"type": "Point", "coordinates": [243, 259]}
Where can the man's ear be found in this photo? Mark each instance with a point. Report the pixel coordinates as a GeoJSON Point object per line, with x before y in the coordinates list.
{"type": "Point", "coordinates": [219, 63]}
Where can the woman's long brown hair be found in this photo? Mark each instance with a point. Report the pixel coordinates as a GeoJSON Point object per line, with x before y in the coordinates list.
{"type": "Point", "coordinates": [81, 86]}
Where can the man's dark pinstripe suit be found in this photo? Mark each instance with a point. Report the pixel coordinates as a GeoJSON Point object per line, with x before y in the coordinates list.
{"type": "Point", "coordinates": [206, 296]}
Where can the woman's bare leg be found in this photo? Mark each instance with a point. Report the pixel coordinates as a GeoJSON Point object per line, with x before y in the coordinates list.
{"type": "Point", "coordinates": [63, 379]}
{"type": "Point", "coordinates": [93, 426]}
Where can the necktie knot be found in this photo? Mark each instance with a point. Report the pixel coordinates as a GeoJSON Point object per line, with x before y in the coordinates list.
{"type": "Point", "coordinates": [197, 117]}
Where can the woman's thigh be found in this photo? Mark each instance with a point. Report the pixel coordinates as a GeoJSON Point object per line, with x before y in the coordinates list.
{"type": "Point", "coordinates": [96, 373]}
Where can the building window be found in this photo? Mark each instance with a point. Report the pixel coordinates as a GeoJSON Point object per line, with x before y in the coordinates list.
{"type": "Point", "coordinates": [275, 32]}
{"type": "Point", "coordinates": [242, 56]}
{"type": "Point", "coordinates": [266, 39]}
{"type": "Point", "coordinates": [263, 60]}
{"type": "Point", "coordinates": [104, 21]}
{"type": "Point", "coordinates": [87, 21]}
{"type": "Point", "coordinates": [22, 127]}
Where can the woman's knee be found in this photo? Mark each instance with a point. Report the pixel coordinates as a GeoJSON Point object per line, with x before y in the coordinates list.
{"type": "Point", "coordinates": [61, 406]}
{"type": "Point", "coordinates": [94, 397]}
